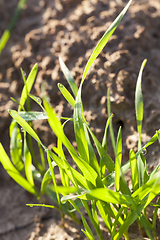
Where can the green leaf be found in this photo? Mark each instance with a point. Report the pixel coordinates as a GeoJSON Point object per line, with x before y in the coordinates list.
{"type": "Point", "coordinates": [134, 170]}
{"type": "Point", "coordinates": [40, 205]}
{"type": "Point", "coordinates": [30, 116]}
{"type": "Point", "coordinates": [37, 100]}
{"type": "Point", "coordinates": [92, 158]}
{"type": "Point", "coordinates": [103, 41]}
{"type": "Point", "coordinates": [14, 173]}
{"type": "Point", "coordinates": [66, 94]}
{"type": "Point", "coordinates": [139, 117]}
{"type": "Point", "coordinates": [103, 154]}
{"type": "Point", "coordinates": [131, 217]}
{"type": "Point", "coordinates": [14, 114]}
{"type": "Point", "coordinates": [139, 100]}
{"type": "Point", "coordinates": [28, 162]}
{"type": "Point", "coordinates": [118, 160]}
{"type": "Point", "coordinates": [79, 129]}
{"type": "Point", "coordinates": [29, 83]}
{"type": "Point", "coordinates": [88, 231]}
{"type": "Point", "coordinates": [110, 125]}
{"type": "Point", "coordinates": [16, 146]}
{"type": "Point", "coordinates": [69, 77]}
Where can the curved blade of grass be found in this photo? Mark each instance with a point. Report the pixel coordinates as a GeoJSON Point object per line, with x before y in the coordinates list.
{"type": "Point", "coordinates": [103, 41]}
{"type": "Point", "coordinates": [131, 217]}
{"type": "Point", "coordinates": [27, 87]}
{"type": "Point", "coordinates": [87, 231]}
{"type": "Point", "coordinates": [118, 160]}
{"type": "Point", "coordinates": [79, 129]}
{"type": "Point", "coordinates": [37, 100]}
{"type": "Point", "coordinates": [103, 154]}
{"type": "Point", "coordinates": [28, 162]}
{"type": "Point", "coordinates": [7, 32]}
{"type": "Point", "coordinates": [139, 117]}
{"type": "Point", "coordinates": [102, 207]}
{"type": "Point", "coordinates": [14, 173]}
{"type": "Point", "coordinates": [139, 101]}
{"type": "Point", "coordinates": [40, 205]}
{"type": "Point", "coordinates": [30, 116]}
{"type": "Point", "coordinates": [16, 146]}
{"type": "Point", "coordinates": [14, 114]}
{"type": "Point", "coordinates": [134, 170]}
{"type": "Point", "coordinates": [66, 94]}
{"type": "Point", "coordinates": [92, 157]}
{"type": "Point", "coordinates": [104, 145]}
{"type": "Point", "coordinates": [105, 195]}
{"type": "Point", "coordinates": [110, 125]}
{"type": "Point", "coordinates": [69, 77]}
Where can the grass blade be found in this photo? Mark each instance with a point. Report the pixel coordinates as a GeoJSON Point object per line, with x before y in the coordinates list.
{"type": "Point", "coordinates": [27, 87]}
{"type": "Point", "coordinates": [134, 170]}
{"type": "Point", "coordinates": [69, 77]}
{"type": "Point", "coordinates": [103, 41]}
{"type": "Point", "coordinates": [30, 116]}
{"type": "Point", "coordinates": [16, 146]}
{"type": "Point", "coordinates": [66, 94]}
{"type": "Point", "coordinates": [14, 173]}
{"type": "Point", "coordinates": [14, 114]}
{"type": "Point", "coordinates": [118, 160]}
{"type": "Point", "coordinates": [139, 117]}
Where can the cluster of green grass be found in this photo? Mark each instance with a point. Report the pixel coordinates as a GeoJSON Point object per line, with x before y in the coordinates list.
{"type": "Point", "coordinates": [89, 185]}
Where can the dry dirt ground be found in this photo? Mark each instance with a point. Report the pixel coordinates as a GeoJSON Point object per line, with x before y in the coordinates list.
{"type": "Point", "coordinates": [47, 28]}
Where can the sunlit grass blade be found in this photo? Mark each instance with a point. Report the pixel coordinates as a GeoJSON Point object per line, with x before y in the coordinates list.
{"type": "Point", "coordinates": [92, 157]}
{"type": "Point", "coordinates": [95, 218]}
{"type": "Point", "coordinates": [30, 116]}
{"type": "Point", "coordinates": [14, 173]}
{"type": "Point", "coordinates": [41, 205]}
{"type": "Point", "coordinates": [14, 114]}
{"type": "Point", "coordinates": [51, 167]}
{"type": "Point", "coordinates": [79, 128]}
{"type": "Point", "coordinates": [104, 145]}
{"type": "Point", "coordinates": [69, 77]}
{"type": "Point", "coordinates": [139, 101]}
{"type": "Point", "coordinates": [105, 195]}
{"type": "Point", "coordinates": [118, 160]}
{"type": "Point", "coordinates": [16, 146]}
{"type": "Point", "coordinates": [66, 94]}
{"type": "Point", "coordinates": [6, 35]}
{"type": "Point", "coordinates": [87, 231]}
{"type": "Point", "coordinates": [139, 117]}
{"type": "Point", "coordinates": [116, 222]}
{"type": "Point", "coordinates": [27, 87]}
{"type": "Point", "coordinates": [75, 177]}
{"type": "Point", "coordinates": [104, 141]}
{"type": "Point", "coordinates": [37, 100]}
{"type": "Point", "coordinates": [131, 217]}
{"type": "Point", "coordinates": [103, 41]}
{"type": "Point", "coordinates": [110, 125]}
{"type": "Point", "coordinates": [134, 170]}
{"type": "Point", "coordinates": [103, 154]}
{"type": "Point", "coordinates": [102, 207]}
{"type": "Point", "coordinates": [28, 162]}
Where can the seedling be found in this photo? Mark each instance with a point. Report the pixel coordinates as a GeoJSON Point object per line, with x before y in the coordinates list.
{"type": "Point", "coordinates": [89, 185]}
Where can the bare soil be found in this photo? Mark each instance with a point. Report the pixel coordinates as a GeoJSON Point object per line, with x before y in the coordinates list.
{"type": "Point", "coordinates": [47, 28]}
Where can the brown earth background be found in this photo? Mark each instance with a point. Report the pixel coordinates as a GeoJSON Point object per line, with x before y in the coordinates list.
{"type": "Point", "coordinates": [72, 28]}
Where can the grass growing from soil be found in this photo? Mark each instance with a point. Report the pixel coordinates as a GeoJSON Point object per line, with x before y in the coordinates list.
{"type": "Point", "coordinates": [89, 185]}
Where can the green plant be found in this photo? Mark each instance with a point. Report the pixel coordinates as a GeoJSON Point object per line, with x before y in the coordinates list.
{"type": "Point", "coordinates": [90, 184]}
